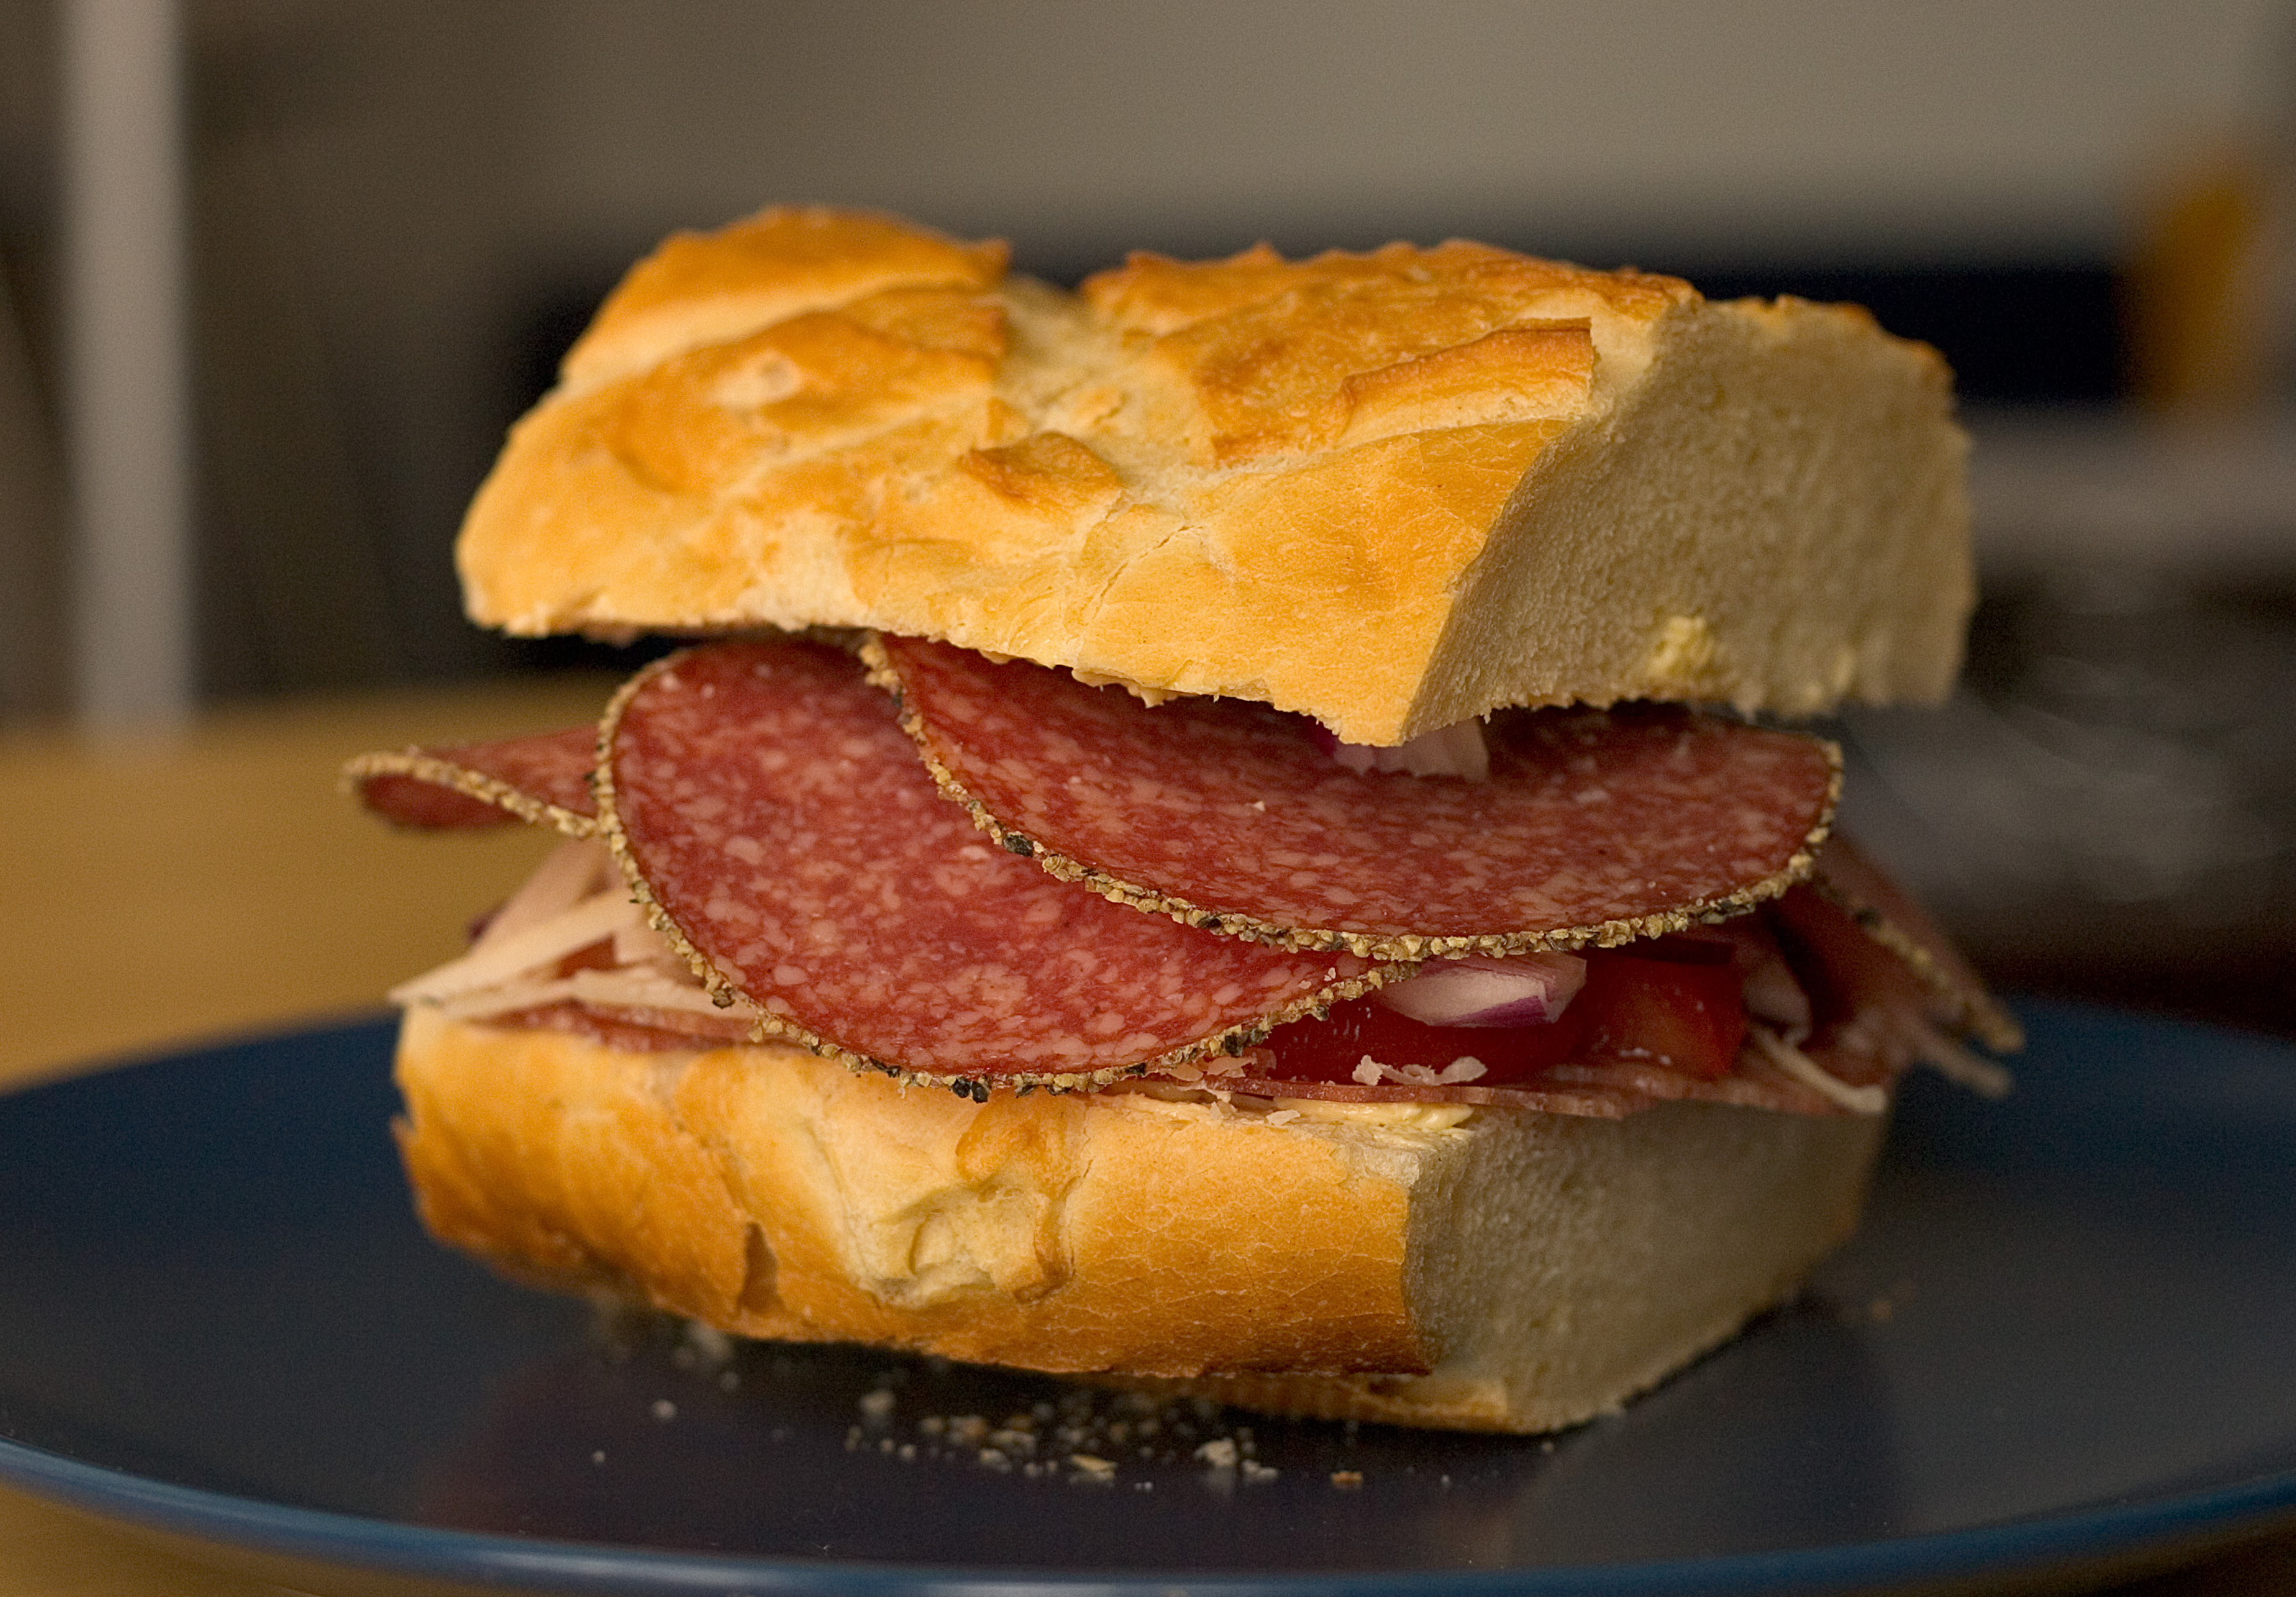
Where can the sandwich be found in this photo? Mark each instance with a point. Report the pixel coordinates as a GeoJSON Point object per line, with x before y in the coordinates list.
{"type": "Point", "coordinates": [1240, 829]}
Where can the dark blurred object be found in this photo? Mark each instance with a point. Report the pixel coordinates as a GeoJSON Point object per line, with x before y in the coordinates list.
{"type": "Point", "coordinates": [2108, 808]}
{"type": "Point", "coordinates": [33, 644]}
{"type": "Point", "coordinates": [2013, 334]}
{"type": "Point", "coordinates": [2212, 280]}
{"type": "Point", "coordinates": [2212, 285]}
{"type": "Point", "coordinates": [32, 651]}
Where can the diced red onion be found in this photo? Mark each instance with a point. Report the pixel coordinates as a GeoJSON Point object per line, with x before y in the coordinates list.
{"type": "Point", "coordinates": [1457, 749]}
{"type": "Point", "coordinates": [1529, 989]}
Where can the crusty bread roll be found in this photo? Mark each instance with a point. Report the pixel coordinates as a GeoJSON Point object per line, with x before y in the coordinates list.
{"type": "Point", "coordinates": [1431, 1264]}
{"type": "Point", "coordinates": [1390, 490]}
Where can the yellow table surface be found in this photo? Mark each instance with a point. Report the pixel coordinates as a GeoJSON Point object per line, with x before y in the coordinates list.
{"type": "Point", "coordinates": [163, 891]}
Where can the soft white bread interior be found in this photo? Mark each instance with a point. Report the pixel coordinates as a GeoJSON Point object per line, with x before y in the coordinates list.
{"type": "Point", "coordinates": [1436, 1265]}
{"type": "Point", "coordinates": [1389, 490]}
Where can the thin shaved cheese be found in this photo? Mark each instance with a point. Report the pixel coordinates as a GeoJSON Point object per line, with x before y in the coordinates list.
{"type": "Point", "coordinates": [504, 999]}
{"type": "Point", "coordinates": [1950, 1059]}
{"type": "Point", "coordinates": [1370, 1072]}
{"type": "Point", "coordinates": [574, 871]}
{"type": "Point", "coordinates": [639, 943]}
{"type": "Point", "coordinates": [595, 989]}
{"type": "Point", "coordinates": [1794, 1063]}
{"type": "Point", "coordinates": [643, 988]}
{"type": "Point", "coordinates": [591, 921]}
{"type": "Point", "coordinates": [574, 901]}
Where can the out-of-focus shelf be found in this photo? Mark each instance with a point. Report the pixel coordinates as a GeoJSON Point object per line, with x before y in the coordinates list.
{"type": "Point", "coordinates": [2056, 487]}
{"type": "Point", "coordinates": [2107, 808]}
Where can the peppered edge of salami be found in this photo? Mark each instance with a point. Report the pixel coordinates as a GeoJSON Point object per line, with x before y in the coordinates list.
{"type": "Point", "coordinates": [1411, 946]}
{"type": "Point", "coordinates": [389, 784]}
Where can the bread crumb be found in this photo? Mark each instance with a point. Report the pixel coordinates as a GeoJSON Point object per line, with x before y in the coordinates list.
{"type": "Point", "coordinates": [664, 1410]}
{"type": "Point", "coordinates": [1219, 1454]}
{"type": "Point", "coordinates": [712, 1344]}
{"type": "Point", "coordinates": [1097, 1468]}
{"type": "Point", "coordinates": [1347, 1480]}
{"type": "Point", "coordinates": [598, 1457]}
{"type": "Point", "coordinates": [877, 1405]}
{"type": "Point", "coordinates": [1253, 1470]}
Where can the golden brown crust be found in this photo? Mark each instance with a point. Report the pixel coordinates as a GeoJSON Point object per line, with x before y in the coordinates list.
{"type": "Point", "coordinates": [1408, 945]}
{"type": "Point", "coordinates": [1390, 490]}
{"type": "Point", "coordinates": [1502, 1271]}
{"type": "Point", "coordinates": [725, 989]}
{"type": "Point", "coordinates": [775, 1195]}
{"type": "Point", "coordinates": [697, 288]}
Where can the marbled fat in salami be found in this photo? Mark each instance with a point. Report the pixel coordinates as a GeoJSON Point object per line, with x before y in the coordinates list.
{"type": "Point", "coordinates": [765, 797]}
{"type": "Point", "coordinates": [544, 780]}
{"type": "Point", "coordinates": [1593, 826]}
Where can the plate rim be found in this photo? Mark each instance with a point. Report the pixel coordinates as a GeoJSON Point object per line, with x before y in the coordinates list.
{"type": "Point", "coordinates": [2155, 1531]}
{"type": "Point", "coordinates": [2152, 1530]}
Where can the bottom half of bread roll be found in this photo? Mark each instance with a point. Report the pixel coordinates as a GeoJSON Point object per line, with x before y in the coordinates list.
{"type": "Point", "coordinates": [1433, 1265]}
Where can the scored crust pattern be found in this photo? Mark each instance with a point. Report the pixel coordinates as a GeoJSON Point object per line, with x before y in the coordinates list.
{"type": "Point", "coordinates": [916, 442]}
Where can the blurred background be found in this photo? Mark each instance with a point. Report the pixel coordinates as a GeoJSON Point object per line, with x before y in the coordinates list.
{"type": "Point", "coordinates": [274, 275]}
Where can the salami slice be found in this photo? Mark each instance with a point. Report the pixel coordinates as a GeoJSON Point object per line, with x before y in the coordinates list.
{"type": "Point", "coordinates": [767, 808]}
{"type": "Point", "coordinates": [1888, 915]}
{"type": "Point", "coordinates": [631, 1030]}
{"type": "Point", "coordinates": [543, 780]}
{"type": "Point", "coordinates": [1594, 827]}
{"type": "Point", "coordinates": [1871, 1000]}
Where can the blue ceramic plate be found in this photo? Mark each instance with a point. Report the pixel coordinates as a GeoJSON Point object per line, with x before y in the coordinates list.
{"type": "Point", "coordinates": [2062, 1343]}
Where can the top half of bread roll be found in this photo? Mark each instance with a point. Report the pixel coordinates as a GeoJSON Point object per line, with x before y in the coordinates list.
{"type": "Point", "coordinates": [1389, 490]}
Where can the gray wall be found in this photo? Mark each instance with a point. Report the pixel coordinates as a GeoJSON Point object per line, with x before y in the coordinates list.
{"type": "Point", "coordinates": [388, 193]}
{"type": "Point", "coordinates": [1755, 128]}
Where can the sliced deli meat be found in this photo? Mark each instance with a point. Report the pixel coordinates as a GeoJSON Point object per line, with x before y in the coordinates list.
{"type": "Point", "coordinates": [764, 801]}
{"type": "Point", "coordinates": [1870, 1000]}
{"type": "Point", "coordinates": [1593, 827]}
{"type": "Point", "coordinates": [543, 780]}
{"type": "Point", "coordinates": [1890, 917]}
